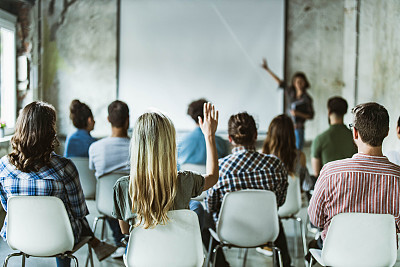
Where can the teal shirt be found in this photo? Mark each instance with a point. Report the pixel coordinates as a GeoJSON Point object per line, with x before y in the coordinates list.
{"type": "Point", "coordinates": [333, 144]}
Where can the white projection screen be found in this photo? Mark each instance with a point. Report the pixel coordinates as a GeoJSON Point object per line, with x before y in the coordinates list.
{"type": "Point", "coordinates": [175, 51]}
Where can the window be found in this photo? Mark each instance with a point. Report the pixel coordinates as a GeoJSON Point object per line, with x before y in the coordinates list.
{"type": "Point", "coordinates": [8, 98]}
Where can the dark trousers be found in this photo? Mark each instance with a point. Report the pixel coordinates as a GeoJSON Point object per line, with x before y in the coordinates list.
{"type": "Point", "coordinates": [280, 242]}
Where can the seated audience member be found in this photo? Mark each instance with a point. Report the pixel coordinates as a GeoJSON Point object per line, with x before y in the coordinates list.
{"type": "Point", "coordinates": [192, 148]}
{"type": "Point", "coordinates": [77, 143]}
{"type": "Point", "coordinates": [32, 168]}
{"type": "Point", "coordinates": [154, 172]}
{"type": "Point", "coordinates": [247, 169]}
{"type": "Point", "coordinates": [111, 154]}
{"type": "Point", "coordinates": [350, 180]}
{"type": "Point", "coordinates": [393, 155]}
{"type": "Point", "coordinates": [336, 142]}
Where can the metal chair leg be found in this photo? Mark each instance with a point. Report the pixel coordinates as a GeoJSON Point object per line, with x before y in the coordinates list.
{"type": "Point", "coordinates": [75, 260]}
{"type": "Point", "coordinates": [246, 250]}
{"type": "Point", "coordinates": [280, 258]}
{"type": "Point", "coordinates": [209, 254]}
{"type": "Point", "coordinates": [10, 256]}
{"type": "Point", "coordinates": [311, 262]}
{"type": "Point", "coordinates": [103, 229]}
{"type": "Point", "coordinates": [23, 260]}
{"type": "Point", "coordinates": [296, 249]}
{"type": "Point", "coordinates": [276, 251]}
{"type": "Point", "coordinates": [303, 239]}
{"type": "Point", "coordinates": [215, 251]}
{"type": "Point", "coordinates": [89, 257]}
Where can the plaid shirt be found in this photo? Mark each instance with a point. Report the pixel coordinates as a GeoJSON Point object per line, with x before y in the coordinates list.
{"type": "Point", "coordinates": [60, 179]}
{"type": "Point", "coordinates": [363, 183]}
{"type": "Point", "coordinates": [247, 169]}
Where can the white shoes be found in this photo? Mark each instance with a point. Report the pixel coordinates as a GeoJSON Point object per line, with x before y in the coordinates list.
{"type": "Point", "coordinates": [118, 253]}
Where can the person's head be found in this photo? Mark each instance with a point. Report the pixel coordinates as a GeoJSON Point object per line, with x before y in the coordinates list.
{"type": "Point", "coordinates": [337, 105]}
{"type": "Point", "coordinates": [195, 109]}
{"type": "Point", "coordinates": [81, 115]}
{"type": "Point", "coordinates": [118, 114]}
{"type": "Point", "coordinates": [35, 137]}
{"type": "Point", "coordinates": [371, 123]}
{"type": "Point", "coordinates": [153, 175]}
{"type": "Point", "coordinates": [242, 129]}
{"type": "Point", "coordinates": [281, 141]}
{"type": "Point", "coordinates": [398, 128]}
{"type": "Point", "coordinates": [300, 81]}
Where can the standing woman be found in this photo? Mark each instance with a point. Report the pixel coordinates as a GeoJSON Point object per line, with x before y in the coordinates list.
{"type": "Point", "coordinates": [301, 103]}
{"type": "Point", "coordinates": [280, 141]}
{"type": "Point", "coordinates": [32, 168]}
{"type": "Point", "coordinates": [77, 143]}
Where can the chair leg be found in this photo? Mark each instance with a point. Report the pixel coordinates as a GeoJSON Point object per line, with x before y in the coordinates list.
{"type": "Point", "coordinates": [75, 260]}
{"type": "Point", "coordinates": [23, 260]}
{"type": "Point", "coordinates": [95, 224]}
{"type": "Point", "coordinates": [303, 238]}
{"type": "Point", "coordinates": [89, 257]}
{"type": "Point", "coordinates": [209, 254]}
{"type": "Point", "coordinates": [103, 229]}
{"type": "Point", "coordinates": [276, 250]}
{"type": "Point", "coordinates": [311, 262]}
{"type": "Point", "coordinates": [10, 256]}
{"type": "Point", "coordinates": [296, 249]}
{"type": "Point", "coordinates": [215, 251]}
{"type": "Point", "coordinates": [246, 250]}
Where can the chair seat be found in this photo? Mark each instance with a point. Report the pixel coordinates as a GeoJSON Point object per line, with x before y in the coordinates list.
{"type": "Point", "coordinates": [317, 255]}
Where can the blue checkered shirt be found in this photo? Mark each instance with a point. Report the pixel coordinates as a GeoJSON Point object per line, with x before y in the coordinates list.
{"type": "Point", "coordinates": [247, 169]}
{"type": "Point", "coordinates": [59, 179]}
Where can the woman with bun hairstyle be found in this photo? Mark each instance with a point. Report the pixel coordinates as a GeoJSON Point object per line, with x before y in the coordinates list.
{"type": "Point", "coordinates": [246, 168]}
{"type": "Point", "coordinates": [77, 143]}
{"type": "Point", "coordinates": [281, 142]}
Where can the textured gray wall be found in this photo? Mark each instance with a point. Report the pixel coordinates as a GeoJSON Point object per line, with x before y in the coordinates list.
{"type": "Point", "coordinates": [79, 49]}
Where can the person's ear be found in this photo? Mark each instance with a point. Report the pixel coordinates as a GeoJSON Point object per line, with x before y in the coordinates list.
{"type": "Point", "coordinates": [108, 119]}
{"type": "Point", "coordinates": [398, 130]}
{"type": "Point", "coordinates": [355, 134]}
{"type": "Point", "coordinates": [231, 140]}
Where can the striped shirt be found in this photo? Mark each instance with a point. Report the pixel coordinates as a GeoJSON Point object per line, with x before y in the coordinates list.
{"type": "Point", "coordinates": [363, 183]}
{"type": "Point", "coordinates": [60, 179]}
{"type": "Point", "coordinates": [247, 169]}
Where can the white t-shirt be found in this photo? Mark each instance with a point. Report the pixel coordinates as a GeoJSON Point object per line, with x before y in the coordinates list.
{"type": "Point", "coordinates": [109, 154]}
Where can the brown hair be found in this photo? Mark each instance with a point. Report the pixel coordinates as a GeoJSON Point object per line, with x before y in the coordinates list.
{"type": "Point", "coordinates": [371, 120]}
{"type": "Point", "coordinates": [281, 142]}
{"type": "Point", "coordinates": [195, 109]}
{"type": "Point", "coordinates": [118, 113]}
{"type": "Point", "coordinates": [303, 76]}
{"type": "Point", "coordinates": [79, 114]}
{"type": "Point", "coordinates": [242, 129]}
{"type": "Point", "coordinates": [35, 137]}
{"type": "Point", "coordinates": [337, 105]}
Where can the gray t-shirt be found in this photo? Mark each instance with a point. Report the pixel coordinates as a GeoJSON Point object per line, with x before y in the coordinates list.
{"type": "Point", "coordinates": [189, 184]}
{"type": "Point", "coordinates": [109, 154]}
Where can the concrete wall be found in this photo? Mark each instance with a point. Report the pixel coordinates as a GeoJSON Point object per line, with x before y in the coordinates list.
{"type": "Point", "coordinates": [79, 57]}
{"type": "Point", "coordinates": [79, 53]}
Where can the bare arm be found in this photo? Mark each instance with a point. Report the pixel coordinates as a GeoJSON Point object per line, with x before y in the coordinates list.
{"type": "Point", "coordinates": [124, 227]}
{"type": "Point", "coordinates": [209, 126]}
{"type": "Point", "coordinates": [264, 65]}
{"type": "Point", "coordinates": [316, 165]}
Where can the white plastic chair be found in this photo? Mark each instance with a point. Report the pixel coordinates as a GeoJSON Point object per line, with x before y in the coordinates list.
{"type": "Point", "coordinates": [104, 198]}
{"type": "Point", "coordinates": [86, 175]}
{"type": "Point", "coordinates": [177, 243]}
{"type": "Point", "coordinates": [247, 219]}
{"type": "Point", "coordinates": [359, 239]}
{"type": "Point", "coordinates": [291, 207]}
{"type": "Point", "coordinates": [197, 168]}
{"type": "Point", "coordinates": [38, 226]}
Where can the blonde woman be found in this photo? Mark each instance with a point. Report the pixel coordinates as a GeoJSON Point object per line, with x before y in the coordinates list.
{"type": "Point", "coordinates": [155, 186]}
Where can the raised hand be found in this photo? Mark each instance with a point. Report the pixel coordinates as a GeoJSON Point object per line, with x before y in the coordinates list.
{"type": "Point", "coordinates": [264, 65]}
{"type": "Point", "coordinates": [209, 124]}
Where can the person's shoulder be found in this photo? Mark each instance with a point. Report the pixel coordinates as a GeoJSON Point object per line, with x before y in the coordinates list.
{"type": "Point", "coordinates": [4, 162]}
{"type": "Point", "coordinates": [57, 160]}
{"type": "Point", "coordinates": [338, 166]}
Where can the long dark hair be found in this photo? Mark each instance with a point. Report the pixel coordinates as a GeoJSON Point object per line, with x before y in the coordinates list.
{"type": "Point", "coordinates": [35, 137]}
{"type": "Point", "coordinates": [281, 142]}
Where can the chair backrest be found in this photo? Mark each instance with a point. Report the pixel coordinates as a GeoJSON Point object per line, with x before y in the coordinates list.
{"type": "Point", "coordinates": [194, 167]}
{"type": "Point", "coordinates": [248, 218]}
{"type": "Point", "coordinates": [360, 239]}
{"type": "Point", "coordinates": [104, 193]}
{"type": "Point", "coordinates": [86, 175]}
{"type": "Point", "coordinates": [38, 225]}
{"type": "Point", "coordinates": [177, 243]}
{"type": "Point", "coordinates": [292, 203]}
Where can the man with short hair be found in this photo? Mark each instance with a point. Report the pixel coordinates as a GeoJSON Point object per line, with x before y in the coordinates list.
{"type": "Point", "coordinates": [394, 155]}
{"type": "Point", "coordinates": [366, 183]}
{"type": "Point", "coordinates": [336, 142]}
{"type": "Point", "coordinates": [192, 148]}
{"type": "Point", "coordinates": [111, 154]}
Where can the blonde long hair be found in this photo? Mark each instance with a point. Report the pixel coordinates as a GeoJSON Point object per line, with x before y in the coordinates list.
{"type": "Point", "coordinates": [153, 176]}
